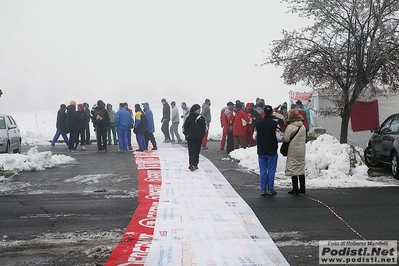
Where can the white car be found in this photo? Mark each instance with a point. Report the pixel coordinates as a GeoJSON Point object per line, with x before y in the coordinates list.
{"type": "Point", "coordinates": [10, 136]}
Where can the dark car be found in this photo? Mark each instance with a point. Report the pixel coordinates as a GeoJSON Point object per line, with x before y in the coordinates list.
{"type": "Point", "coordinates": [383, 146]}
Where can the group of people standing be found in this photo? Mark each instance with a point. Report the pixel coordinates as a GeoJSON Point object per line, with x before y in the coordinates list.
{"type": "Point", "coordinates": [108, 124]}
{"type": "Point", "coordinates": [243, 125]}
{"type": "Point", "coordinates": [263, 126]}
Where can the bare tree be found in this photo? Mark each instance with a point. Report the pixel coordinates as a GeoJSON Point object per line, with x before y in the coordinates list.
{"type": "Point", "coordinates": [351, 48]}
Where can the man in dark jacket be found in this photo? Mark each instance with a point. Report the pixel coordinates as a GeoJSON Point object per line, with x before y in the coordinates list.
{"type": "Point", "coordinates": [61, 126]}
{"type": "Point", "coordinates": [267, 151]}
{"type": "Point", "coordinates": [165, 120]}
{"type": "Point", "coordinates": [194, 129]}
{"type": "Point", "coordinates": [101, 122]}
{"type": "Point", "coordinates": [139, 127]}
{"type": "Point", "coordinates": [73, 126]}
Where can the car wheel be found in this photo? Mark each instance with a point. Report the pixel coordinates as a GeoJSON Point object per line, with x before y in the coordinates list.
{"type": "Point", "coordinates": [18, 150]}
{"type": "Point", "coordinates": [395, 165]}
{"type": "Point", "coordinates": [368, 158]}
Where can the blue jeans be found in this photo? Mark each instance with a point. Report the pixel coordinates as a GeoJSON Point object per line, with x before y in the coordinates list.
{"type": "Point", "coordinates": [57, 135]}
{"type": "Point", "coordinates": [267, 170]}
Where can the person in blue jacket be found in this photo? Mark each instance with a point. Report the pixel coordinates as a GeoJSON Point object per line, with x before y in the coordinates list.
{"type": "Point", "coordinates": [123, 122]}
{"type": "Point", "coordinates": [149, 127]}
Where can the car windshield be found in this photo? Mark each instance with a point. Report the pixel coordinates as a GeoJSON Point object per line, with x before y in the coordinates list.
{"type": "Point", "coordinates": [2, 123]}
{"type": "Point", "coordinates": [395, 124]}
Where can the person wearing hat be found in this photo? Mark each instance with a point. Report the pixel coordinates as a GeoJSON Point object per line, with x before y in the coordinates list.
{"type": "Point", "coordinates": [206, 113]}
{"type": "Point", "coordinates": [194, 129]}
{"type": "Point", "coordinates": [61, 126]}
{"type": "Point", "coordinates": [73, 126]}
{"type": "Point", "coordinates": [165, 120]}
{"type": "Point", "coordinates": [267, 151]}
{"type": "Point", "coordinates": [295, 164]}
{"type": "Point", "coordinates": [149, 127]}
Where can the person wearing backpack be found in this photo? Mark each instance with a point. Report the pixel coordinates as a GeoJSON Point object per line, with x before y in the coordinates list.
{"type": "Point", "coordinates": [101, 122]}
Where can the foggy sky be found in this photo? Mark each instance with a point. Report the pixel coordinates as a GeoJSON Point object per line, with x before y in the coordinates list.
{"type": "Point", "coordinates": [133, 51]}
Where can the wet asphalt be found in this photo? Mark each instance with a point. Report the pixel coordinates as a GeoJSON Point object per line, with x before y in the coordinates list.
{"type": "Point", "coordinates": [58, 222]}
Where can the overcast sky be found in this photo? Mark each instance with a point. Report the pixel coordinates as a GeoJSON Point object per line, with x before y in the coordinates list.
{"type": "Point", "coordinates": [54, 51]}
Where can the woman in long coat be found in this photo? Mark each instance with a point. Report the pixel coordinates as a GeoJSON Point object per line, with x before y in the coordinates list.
{"type": "Point", "coordinates": [295, 165]}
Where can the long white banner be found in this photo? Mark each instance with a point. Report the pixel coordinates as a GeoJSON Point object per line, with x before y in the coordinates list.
{"type": "Point", "coordinates": [201, 220]}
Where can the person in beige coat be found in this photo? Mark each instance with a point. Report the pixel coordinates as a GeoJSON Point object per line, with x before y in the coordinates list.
{"type": "Point", "coordinates": [295, 165]}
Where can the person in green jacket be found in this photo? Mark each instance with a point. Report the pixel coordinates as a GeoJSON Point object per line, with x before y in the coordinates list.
{"type": "Point", "coordinates": [111, 127]}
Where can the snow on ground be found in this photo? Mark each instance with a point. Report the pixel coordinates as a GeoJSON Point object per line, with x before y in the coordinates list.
{"type": "Point", "coordinates": [328, 163]}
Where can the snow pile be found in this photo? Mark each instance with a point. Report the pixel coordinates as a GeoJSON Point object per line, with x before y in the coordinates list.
{"type": "Point", "coordinates": [32, 161]}
{"type": "Point", "coordinates": [328, 164]}
{"type": "Point", "coordinates": [326, 158]}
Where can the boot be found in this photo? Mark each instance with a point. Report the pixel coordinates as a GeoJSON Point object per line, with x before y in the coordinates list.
{"type": "Point", "coordinates": [302, 184]}
{"type": "Point", "coordinates": [294, 185]}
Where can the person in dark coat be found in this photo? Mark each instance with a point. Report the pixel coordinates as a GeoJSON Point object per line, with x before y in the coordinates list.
{"type": "Point", "coordinates": [73, 126]}
{"type": "Point", "coordinates": [61, 126]}
{"type": "Point", "coordinates": [165, 120]}
{"type": "Point", "coordinates": [81, 132]}
{"type": "Point", "coordinates": [139, 127]}
{"type": "Point", "coordinates": [194, 129]}
{"type": "Point", "coordinates": [254, 116]}
{"type": "Point", "coordinates": [101, 122]}
{"type": "Point", "coordinates": [87, 122]}
{"type": "Point", "coordinates": [267, 151]}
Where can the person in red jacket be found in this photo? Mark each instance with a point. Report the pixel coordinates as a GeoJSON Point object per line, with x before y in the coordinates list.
{"type": "Point", "coordinates": [239, 120]}
{"type": "Point", "coordinates": [224, 122]}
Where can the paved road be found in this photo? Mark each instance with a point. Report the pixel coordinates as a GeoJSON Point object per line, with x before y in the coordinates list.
{"type": "Point", "coordinates": [297, 223]}
{"type": "Point", "coordinates": [70, 215]}
{"type": "Point", "coordinates": [75, 215]}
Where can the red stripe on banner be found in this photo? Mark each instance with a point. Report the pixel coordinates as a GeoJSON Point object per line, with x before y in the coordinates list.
{"type": "Point", "coordinates": [136, 241]}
